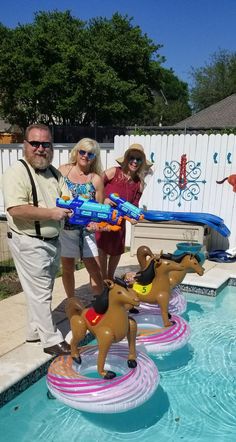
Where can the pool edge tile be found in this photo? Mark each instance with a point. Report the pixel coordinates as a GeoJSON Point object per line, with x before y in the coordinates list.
{"type": "Point", "coordinates": [37, 372]}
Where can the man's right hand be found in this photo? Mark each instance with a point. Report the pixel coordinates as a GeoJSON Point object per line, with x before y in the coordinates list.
{"type": "Point", "coordinates": [58, 214]}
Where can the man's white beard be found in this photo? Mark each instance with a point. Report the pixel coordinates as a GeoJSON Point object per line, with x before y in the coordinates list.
{"type": "Point", "coordinates": [40, 162]}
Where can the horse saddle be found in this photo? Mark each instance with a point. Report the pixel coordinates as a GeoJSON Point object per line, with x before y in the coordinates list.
{"type": "Point", "coordinates": [93, 317]}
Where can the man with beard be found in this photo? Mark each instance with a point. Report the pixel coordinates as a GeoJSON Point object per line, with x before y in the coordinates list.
{"type": "Point", "coordinates": [30, 189]}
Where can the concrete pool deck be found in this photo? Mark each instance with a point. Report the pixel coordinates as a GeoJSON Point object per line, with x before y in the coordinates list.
{"type": "Point", "coordinates": [18, 359]}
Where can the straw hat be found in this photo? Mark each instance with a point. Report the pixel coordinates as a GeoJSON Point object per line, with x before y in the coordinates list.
{"type": "Point", "coordinates": [132, 149]}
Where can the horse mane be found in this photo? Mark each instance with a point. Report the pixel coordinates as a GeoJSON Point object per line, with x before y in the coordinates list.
{"type": "Point", "coordinates": [101, 302]}
{"type": "Point", "coordinates": [147, 275]}
{"type": "Point", "coordinates": [120, 282]}
{"type": "Point", "coordinates": [179, 258]}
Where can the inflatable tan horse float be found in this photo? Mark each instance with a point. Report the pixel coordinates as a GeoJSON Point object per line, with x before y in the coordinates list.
{"type": "Point", "coordinates": [158, 275]}
{"type": "Point", "coordinates": [107, 320]}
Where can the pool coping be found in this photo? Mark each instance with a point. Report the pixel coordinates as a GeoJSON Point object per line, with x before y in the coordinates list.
{"type": "Point", "coordinates": [207, 291]}
{"type": "Point", "coordinates": [25, 382]}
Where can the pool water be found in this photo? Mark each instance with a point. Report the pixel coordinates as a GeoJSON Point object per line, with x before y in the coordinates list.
{"type": "Point", "coordinates": [195, 400]}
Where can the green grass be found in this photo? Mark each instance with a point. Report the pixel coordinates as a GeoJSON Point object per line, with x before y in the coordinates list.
{"type": "Point", "coordinates": [9, 284]}
{"type": "Point", "coordinates": [9, 281]}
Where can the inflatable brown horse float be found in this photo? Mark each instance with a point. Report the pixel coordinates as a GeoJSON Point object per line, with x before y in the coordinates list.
{"type": "Point", "coordinates": [152, 283]}
{"type": "Point", "coordinates": [159, 274]}
{"type": "Point", "coordinates": [107, 320]}
{"type": "Point", "coordinates": [190, 262]}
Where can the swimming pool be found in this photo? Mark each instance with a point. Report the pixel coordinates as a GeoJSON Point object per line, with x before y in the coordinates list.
{"type": "Point", "coordinates": [195, 400]}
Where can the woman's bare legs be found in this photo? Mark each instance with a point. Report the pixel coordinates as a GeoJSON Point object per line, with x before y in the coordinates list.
{"type": "Point", "coordinates": [68, 278]}
{"type": "Point", "coordinates": [108, 264]}
{"type": "Point", "coordinates": [94, 270]}
{"type": "Point", "coordinates": [103, 263]}
{"type": "Point", "coordinates": [113, 262]}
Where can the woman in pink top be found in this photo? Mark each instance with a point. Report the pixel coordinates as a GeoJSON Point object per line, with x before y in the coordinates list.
{"type": "Point", "coordinates": [128, 181]}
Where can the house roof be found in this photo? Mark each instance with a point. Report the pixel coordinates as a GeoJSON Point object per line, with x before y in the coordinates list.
{"type": "Point", "coordinates": [218, 115]}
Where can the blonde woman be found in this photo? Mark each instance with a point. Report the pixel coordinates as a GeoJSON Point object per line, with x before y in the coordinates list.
{"type": "Point", "coordinates": [128, 181]}
{"type": "Point", "coordinates": [82, 177]}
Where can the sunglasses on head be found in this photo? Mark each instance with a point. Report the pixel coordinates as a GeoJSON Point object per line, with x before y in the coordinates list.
{"type": "Point", "coordinates": [90, 155]}
{"type": "Point", "coordinates": [44, 144]}
{"type": "Point", "coordinates": [137, 159]}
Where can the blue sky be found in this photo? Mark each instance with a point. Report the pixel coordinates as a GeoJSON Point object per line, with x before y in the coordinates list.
{"type": "Point", "coordinates": [189, 30]}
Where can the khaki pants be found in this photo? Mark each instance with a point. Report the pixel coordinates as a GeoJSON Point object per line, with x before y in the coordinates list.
{"type": "Point", "coordinates": [36, 263]}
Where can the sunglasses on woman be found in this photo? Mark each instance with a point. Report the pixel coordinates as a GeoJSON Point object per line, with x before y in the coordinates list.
{"type": "Point", "coordinates": [90, 155]}
{"type": "Point", "coordinates": [137, 159]}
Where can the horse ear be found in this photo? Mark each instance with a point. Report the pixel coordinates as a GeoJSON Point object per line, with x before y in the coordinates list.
{"type": "Point", "coordinates": [109, 283]}
{"type": "Point", "coordinates": [157, 261]}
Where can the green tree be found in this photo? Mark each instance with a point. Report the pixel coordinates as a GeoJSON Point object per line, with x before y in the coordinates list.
{"type": "Point", "coordinates": [128, 76]}
{"type": "Point", "coordinates": [121, 66]}
{"type": "Point", "coordinates": [171, 101]}
{"type": "Point", "coordinates": [215, 81]}
{"type": "Point", "coordinates": [61, 70]}
{"type": "Point", "coordinates": [38, 69]}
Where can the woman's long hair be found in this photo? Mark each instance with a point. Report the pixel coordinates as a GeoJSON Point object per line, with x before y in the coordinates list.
{"type": "Point", "coordinates": [90, 146]}
{"type": "Point", "coordinates": [141, 173]}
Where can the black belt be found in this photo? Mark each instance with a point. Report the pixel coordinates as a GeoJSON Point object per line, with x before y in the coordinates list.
{"type": "Point", "coordinates": [42, 238]}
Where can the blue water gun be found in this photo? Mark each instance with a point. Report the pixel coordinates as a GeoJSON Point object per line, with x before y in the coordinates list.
{"type": "Point", "coordinates": [127, 210]}
{"type": "Point", "coordinates": [87, 211]}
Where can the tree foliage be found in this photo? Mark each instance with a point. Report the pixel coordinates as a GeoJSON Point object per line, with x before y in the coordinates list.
{"type": "Point", "coordinates": [61, 70]}
{"type": "Point", "coordinates": [38, 65]}
{"type": "Point", "coordinates": [215, 81]}
{"type": "Point", "coordinates": [171, 102]}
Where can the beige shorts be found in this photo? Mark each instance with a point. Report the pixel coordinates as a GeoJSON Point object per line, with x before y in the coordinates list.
{"type": "Point", "coordinates": [70, 244]}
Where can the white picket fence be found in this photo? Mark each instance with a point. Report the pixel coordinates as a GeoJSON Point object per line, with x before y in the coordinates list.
{"type": "Point", "coordinates": [208, 158]}
{"type": "Point", "coordinates": [9, 153]}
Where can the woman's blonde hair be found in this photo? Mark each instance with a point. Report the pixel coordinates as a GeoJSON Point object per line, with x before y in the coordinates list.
{"type": "Point", "coordinates": [145, 166]}
{"type": "Point", "coordinates": [140, 173]}
{"type": "Point", "coordinates": [90, 146]}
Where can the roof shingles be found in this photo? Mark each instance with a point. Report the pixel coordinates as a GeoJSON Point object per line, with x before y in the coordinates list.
{"type": "Point", "coordinates": [218, 115]}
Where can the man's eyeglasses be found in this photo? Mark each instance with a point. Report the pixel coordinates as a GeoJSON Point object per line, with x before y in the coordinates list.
{"type": "Point", "coordinates": [137, 159]}
{"type": "Point", "coordinates": [90, 155]}
{"type": "Point", "coordinates": [44, 144]}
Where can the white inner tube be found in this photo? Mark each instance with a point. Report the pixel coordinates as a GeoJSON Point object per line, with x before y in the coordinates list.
{"type": "Point", "coordinates": [69, 382]}
{"type": "Point", "coordinates": [177, 304]}
{"type": "Point", "coordinates": [156, 338]}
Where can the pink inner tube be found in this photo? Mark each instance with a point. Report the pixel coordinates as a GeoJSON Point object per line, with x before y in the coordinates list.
{"type": "Point", "coordinates": [177, 304]}
{"type": "Point", "coordinates": [69, 382]}
{"type": "Point", "coordinates": [158, 339]}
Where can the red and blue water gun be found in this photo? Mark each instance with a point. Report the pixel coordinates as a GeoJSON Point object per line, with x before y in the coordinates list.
{"type": "Point", "coordinates": [87, 211]}
{"type": "Point", "coordinates": [127, 210]}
